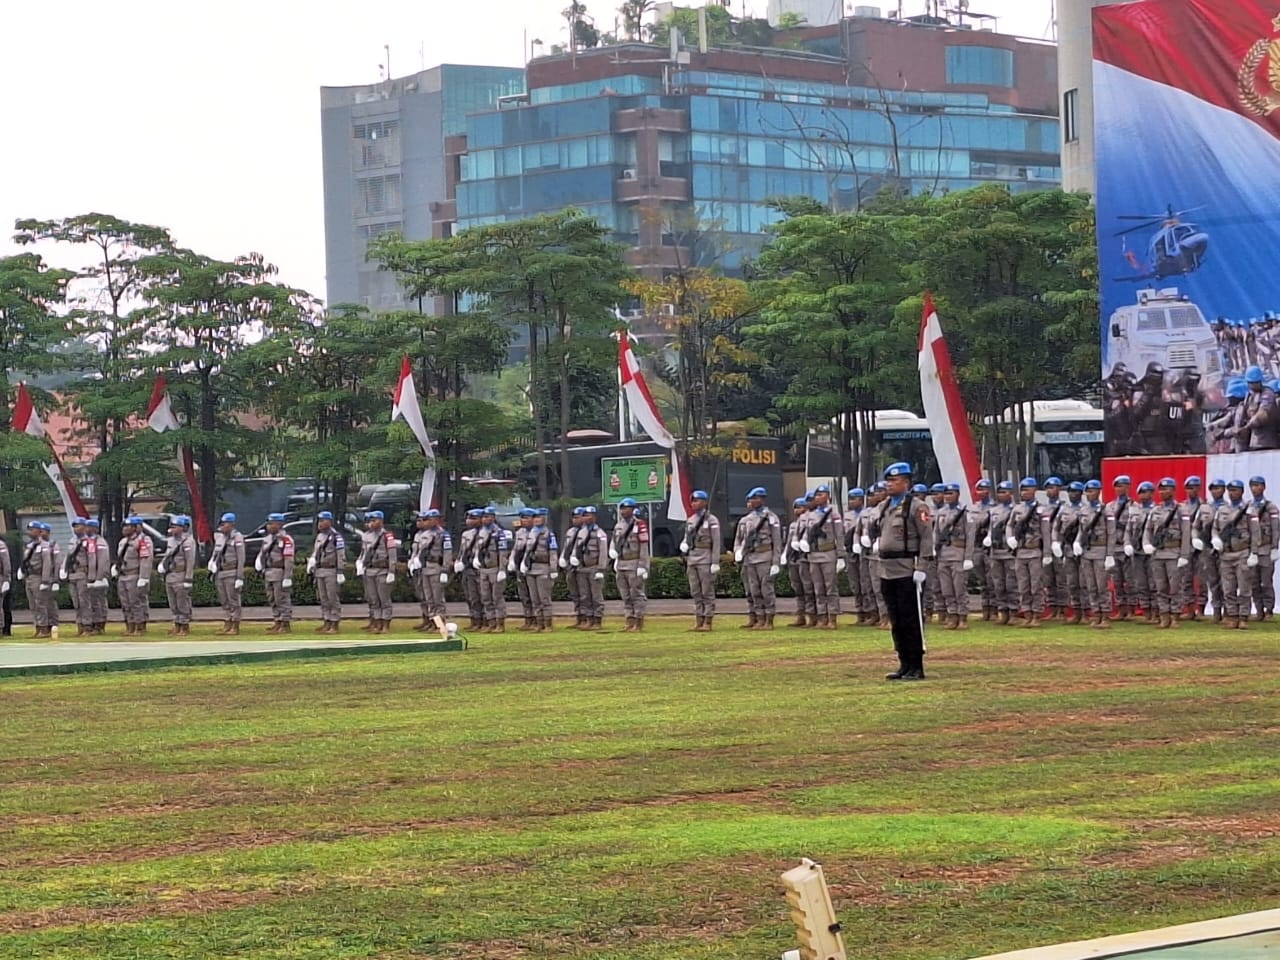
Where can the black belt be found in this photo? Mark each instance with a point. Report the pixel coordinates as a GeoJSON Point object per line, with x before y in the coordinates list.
{"type": "Point", "coordinates": [897, 555]}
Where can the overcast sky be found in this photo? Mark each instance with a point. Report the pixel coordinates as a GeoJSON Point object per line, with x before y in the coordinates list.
{"type": "Point", "coordinates": [204, 117]}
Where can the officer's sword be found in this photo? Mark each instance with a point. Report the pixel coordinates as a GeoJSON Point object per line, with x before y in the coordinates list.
{"type": "Point", "coordinates": [924, 643]}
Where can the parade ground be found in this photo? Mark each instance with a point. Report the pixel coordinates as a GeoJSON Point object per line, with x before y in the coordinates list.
{"type": "Point", "coordinates": [622, 797]}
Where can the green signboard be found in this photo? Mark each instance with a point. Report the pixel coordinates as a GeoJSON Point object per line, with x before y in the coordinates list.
{"type": "Point", "coordinates": [644, 478]}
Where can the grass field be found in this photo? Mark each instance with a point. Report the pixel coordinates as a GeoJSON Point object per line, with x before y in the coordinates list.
{"type": "Point", "coordinates": [625, 798]}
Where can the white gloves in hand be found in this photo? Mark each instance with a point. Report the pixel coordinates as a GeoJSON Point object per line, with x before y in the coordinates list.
{"type": "Point", "coordinates": [1183, 562]}
{"type": "Point", "coordinates": [524, 569]}
{"type": "Point", "coordinates": [986, 541]}
{"type": "Point", "coordinates": [1128, 550]}
{"type": "Point", "coordinates": [684, 546]}
{"type": "Point", "coordinates": [613, 553]}
{"type": "Point", "coordinates": [563, 563]}
{"type": "Point", "coordinates": [1109, 563]}
{"type": "Point", "coordinates": [599, 575]}
{"type": "Point", "coordinates": [62, 573]}
{"type": "Point", "coordinates": [213, 567]}
{"type": "Point", "coordinates": [575, 562]}
{"type": "Point", "coordinates": [187, 585]}
{"type": "Point", "coordinates": [642, 573]}
{"type": "Point", "coordinates": [1197, 543]}
{"type": "Point", "coordinates": [475, 564]}
{"type": "Point", "coordinates": [4, 587]}
{"type": "Point", "coordinates": [162, 569]}
{"type": "Point", "coordinates": [1149, 549]}
{"type": "Point", "coordinates": [99, 584]}
{"type": "Point", "coordinates": [1056, 549]}
{"type": "Point", "coordinates": [311, 565]}
{"type": "Point", "coordinates": [865, 541]}
{"type": "Point", "coordinates": [857, 547]}
{"type": "Point", "coordinates": [1011, 543]}
{"type": "Point", "coordinates": [804, 545]}
{"type": "Point", "coordinates": [444, 578]}
{"type": "Point", "coordinates": [967, 566]}
{"type": "Point", "coordinates": [502, 575]}
{"type": "Point", "coordinates": [840, 565]}
{"type": "Point", "coordinates": [1252, 561]}
{"type": "Point", "coordinates": [1218, 544]}
{"type": "Point", "coordinates": [340, 579]}
{"type": "Point", "coordinates": [737, 556]}
{"type": "Point", "coordinates": [21, 574]}
{"type": "Point", "coordinates": [919, 576]}
{"type": "Point", "coordinates": [359, 568]}
{"type": "Point", "coordinates": [555, 574]}
{"type": "Point", "coordinates": [783, 559]}
{"type": "Point", "coordinates": [1047, 561]}
{"type": "Point", "coordinates": [875, 545]}
{"type": "Point", "coordinates": [773, 570]}
{"type": "Point", "coordinates": [1077, 550]}
{"type": "Point", "coordinates": [286, 583]}
{"type": "Point", "coordinates": [115, 571]}
{"type": "Point", "coordinates": [795, 545]}
{"type": "Point", "coordinates": [257, 564]}
{"type": "Point", "coordinates": [458, 566]}
{"type": "Point", "coordinates": [1275, 555]}
{"type": "Point", "coordinates": [391, 576]}
{"type": "Point", "coordinates": [715, 568]}
{"type": "Point", "coordinates": [143, 583]}
{"type": "Point", "coordinates": [46, 586]}
{"type": "Point", "coordinates": [414, 565]}
{"type": "Point", "coordinates": [511, 565]}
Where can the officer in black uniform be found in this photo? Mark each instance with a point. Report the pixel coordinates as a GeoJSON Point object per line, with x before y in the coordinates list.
{"type": "Point", "coordinates": [906, 535]}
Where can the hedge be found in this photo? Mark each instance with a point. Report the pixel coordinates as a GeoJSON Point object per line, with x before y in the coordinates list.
{"type": "Point", "coordinates": [667, 581]}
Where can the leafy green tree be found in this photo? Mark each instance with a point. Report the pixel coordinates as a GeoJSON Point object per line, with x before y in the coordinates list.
{"type": "Point", "coordinates": [633, 12]}
{"type": "Point", "coordinates": [685, 19]}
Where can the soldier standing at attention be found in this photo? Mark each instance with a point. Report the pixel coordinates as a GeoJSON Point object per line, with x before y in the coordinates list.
{"type": "Point", "coordinates": [792, 559]}
{"type": "Point", "coordinates": [226, 566]}
{"type": "Point", "coordinates": [980, 525]}
{"type": "Point", "coordinates": [1055, 572]}
{"type": "Point", "coordinates": [464, 567]}
{"type": "Point", "coordinates": [1004, 574]}
{"type": "Point", "coordinates": [326, 565]}
{"type": "Point", "coordinates": [1166, 541]}
{"type": "Point", "coordinates": [934, 605]}
{"type": "Point", "coordinates": [6, 589]}
{"type": "Point", "coordinates": [1093, 546]}
{"type": "Point", "coordinates": [1117, 520]}
{"type": "Point", "coordinates": [71, 571]}
{"type": "Point", "coordinates": [540, 568]}
{"type": "Point", "coordinates": [1027, 535]}
{"type": "Point", "coordinates": [1267, 548]}
{"type": "Point", "coordinates": [854, 506]}
{"type": "Point", "coordinates": [955, 557]}
{"type": "Point", "coordinates": [630, 553]}
{"type": "Point", "coordinates": [906, 534]}
{"type": "Point", "coordinates": [1139, 567]}
{"type": "Point", "coordinates": [376, 566]}
{"type": "Point", "coordinates": [275, 563]}
{"type": "Point", "coordinates": [39, 569]}
{"type": "Point", "coordinates": [97, 570]}
{"type": "Point", "coordinates": [514, 561]}
{"type": "Point", "coordinates": [428, 565]}
{"type": "Point", "coordinates": [567, 547]}
{"type": "Point", "coordinates": [1198, 576]}
{"type": "Point", "coordinates": [701, 549]}
{"type": "Point", "coordinates": [1066, 562]}
{"type": "Point", "coordinates": [178, 567]}
{"type": "Point", "coordinates": [822, 543]}
{"type": "Point", "coordinates": [757, 548]}
{"type": "Point", "coordinates": [869, 538]}
{"type": "Point", "coordinates": [493, 544]}
{"type": "Point", "coordinates": [1235, 535]}
{"type": "Point", "coordinates": [592, 555]}
{"type": "Point", "coordinates": [133, 577]}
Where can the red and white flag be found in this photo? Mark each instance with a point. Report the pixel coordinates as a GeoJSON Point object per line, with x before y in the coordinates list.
{"type": "Point", "coordinates": [160, 418]}
{"type": "Point", "coordinates": [944, 408]}
{"type": "Point", "coordinates": [646, 413]}
{"type": "Point", "coordinates": [405, 404]}
{"type": "Point", "coordinates": [26, 420]}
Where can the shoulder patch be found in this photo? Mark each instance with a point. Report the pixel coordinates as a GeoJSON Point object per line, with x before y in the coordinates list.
{"type": "Point", "coordinates": [448, 541]}
{"type": "Point", "coordinates": [144, 547]}
{"type": "Point", "coordinates": [551, 540]}
{"type": "Point", "coordinates": [339, 541]}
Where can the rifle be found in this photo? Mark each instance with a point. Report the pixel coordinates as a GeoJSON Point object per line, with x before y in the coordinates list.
{"type": "Point", "coordinates": [950, 528]}
{"type": "Point", "coordinates": [1229, 531]}
{"type": "Point", "coordinates": [697, 529]}
{"type": "Point", "coordinates": [25, 566]}
{"type": "Point", "coordinates": [1025, 523]}
{"type": "Point", "coordinates": [69, 564]}
{"type": "Point", "coordinates": [1164, 527]}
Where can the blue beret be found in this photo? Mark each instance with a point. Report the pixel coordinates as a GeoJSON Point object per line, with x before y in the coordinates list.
{"type": "Point", "coordinates": [938, 488]}
{"type": "Point", "coordinates": [757, 492]}
{"type": "Point", "coordinates": [1076, 486]}
{"type": "Point", "coordinates": [857, 492]}
{"type": "Point", "coordinates": [374, 515]}
{"type": "Point", "coordinates": [1235, 485]}
{"type": "Point", "coordinates": [952, 487]}
{"type": "Point", "coordinates": [182, 520]}
{"type": "Point", "coordinates": [1093, 485]}
{"type": "Point", "coordinates": [133, 522]}
{"type": "Point", "coordinates": [1005, 485]}
{"type": "Point", "coordinates": [1053, 482]}
{"type": "Point", "coordinates": [899, 469]}
{"type": "Point", "coordinates": [983, 484]}
{"type": "Point", "coordinates": [92, 523]}
{"type": "Point", "coordinates": [919, 488]}
{"type": "Point", "coordinates": [1028, 482]}
{"type": "Point", "coordinates": [79, 521]}
{"type": "Point", "coordinates": [275, 518]}
{"type": "Point", "coordinates": [1146, 486]}
{"type": "Point", "coordinates": [589, 508]}
{"type": "Point", "coordinates": [231, 518]}
{"type": "Point", "coordinates": [432, 514]}
{"type": "Point", "coordinates": [799, 502]}
{"type": "Point", "coordinates": [1121, 481]}
{"type": "Point", "coordinates": [1168, 482]}
{"type": "Point", "coordinates": [1192, 481]}
{"type": "Point", "coordinates": [477, 513]}
{"type": "Point", "coordinates": [1261, 480]}
{"type": "Point", "coordinates": [701, 495]}
{"type": "Point", "coordinates": [322, 515]}
{"type": "Point", "coordinates": [1218, 483]}
{"type": "Point", "coordinates": [628, 502]}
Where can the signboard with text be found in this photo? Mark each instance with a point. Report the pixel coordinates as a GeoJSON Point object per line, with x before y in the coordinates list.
{"type": "Point", "coordinates": [643, 478]}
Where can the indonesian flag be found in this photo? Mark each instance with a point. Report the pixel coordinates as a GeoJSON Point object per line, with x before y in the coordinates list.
{"type": "Point", "coordinates": [646, 413]}
{"type": "Point", "coordinates": [405, 404]}
{"type": "Point", "coordinates": [944, 409]}
{"type": "Point", "coordinates": [26, 420]}
{"type": "Point", "coordinates": [160, 418]}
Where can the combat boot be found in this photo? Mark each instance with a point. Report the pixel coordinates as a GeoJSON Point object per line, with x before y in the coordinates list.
{"type": "Point", "coordinates": [1242, 623]}
{"type": "Point", "coordinates": [830, 623]}
{"type": "Point", "coordinates": [631, 625]}
{"type": "Point", "coordinates": [962, 622]}
{"type": "Point", "coordinates": [175, 630]}
{"type": "Point", "coordinates": [368, 627]}
{"type": "Point", "coordinates": [799, 621]}
{"type": "Point", "coordinates": [1031, 621]}
{"type": "Point", "coordinates": [286, 626]}
{"type": "Point", "coordinates": [751, 622]}
{"type": "Point", "coordinates": [813, 620]}
{"type": "Point", "coordinates": [768, 622]}
{"type": "Point", "coordinates": [884, 624]}
{"type": "Point", "coordinates": [639, 624]}
{"type": "Point", "coordinates": [499, 625]}
{"type": "Point", "coordinates": [1003, 618]}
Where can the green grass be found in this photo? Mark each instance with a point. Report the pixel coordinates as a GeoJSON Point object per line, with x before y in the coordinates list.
{"type": "Point", "coordinates": [635, 798]}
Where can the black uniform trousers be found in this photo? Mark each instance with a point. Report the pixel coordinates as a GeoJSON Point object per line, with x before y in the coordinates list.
{"type": "Point", "coordinates": [904, 616]}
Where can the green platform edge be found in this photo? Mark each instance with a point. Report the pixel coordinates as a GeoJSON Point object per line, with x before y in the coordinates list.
{"type": "Point", "coordinates": [246, 656]}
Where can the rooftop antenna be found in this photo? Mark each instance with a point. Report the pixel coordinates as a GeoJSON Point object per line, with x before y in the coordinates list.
{"type": "Point", "coordinates": [387, 48]}
{"type": "Point", "coordinates": [422, 55]}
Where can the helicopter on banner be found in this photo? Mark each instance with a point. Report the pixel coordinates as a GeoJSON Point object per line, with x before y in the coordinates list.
{"type": "Point", "coordinates": [1176, 249]}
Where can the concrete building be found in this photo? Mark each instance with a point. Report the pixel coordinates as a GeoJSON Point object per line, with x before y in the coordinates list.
{"type": "Point", "coordinates": [816, 13]}
{"type": "Point", "coordinates": [386, 166]}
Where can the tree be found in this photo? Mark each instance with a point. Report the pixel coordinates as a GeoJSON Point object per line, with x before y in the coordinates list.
{"type": "Point", "coordinates": [684, 19]}
{"type": "Point", "coordinates": [205, 312]}
{"type": "Point", "coordinates": [105, 296]}
{"type": "Point", "coordinates": [30, 329]}
{"type": "Point", "coordinates": [582, 31]}
{"type": "Point", "coordinates": [633, 12]}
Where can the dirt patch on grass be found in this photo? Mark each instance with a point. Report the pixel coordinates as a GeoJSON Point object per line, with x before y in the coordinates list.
{"type": "Point", "coordinates": [185, 903]}
{"type": "Point", "coordinates": [1028, 721]}
{"type": "Point", "coordinates": [1259, 827]}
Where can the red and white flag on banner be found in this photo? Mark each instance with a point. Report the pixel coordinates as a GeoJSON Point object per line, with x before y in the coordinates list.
{"type": "Point", "coordinates": [26, 420]}
{"type": "Point", "coordinates": [646, 413]}
{"type": "Point", "coordinates": [944, 408]}
{"type": "Point", "coordinates": [160, 418]}
{"type": "Point", "coordinates": [405, 404]}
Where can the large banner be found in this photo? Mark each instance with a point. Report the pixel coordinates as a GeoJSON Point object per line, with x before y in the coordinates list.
{"type": "Point", "coordinates": [1187, 106]}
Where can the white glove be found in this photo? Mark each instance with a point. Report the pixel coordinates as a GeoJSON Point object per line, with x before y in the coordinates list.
{"type": "Point", "coordinates": [1183, 562]}
{"type": "Point", "coordinates": [45, 586]}
{"type": "Point", "coordinates": [524, 569]}
{"type": "Point", "coordinates": [1011, 543]}
{"type": "Point", "coordinates": [795, 545]}
{"type": "Point", "coordinates": [575, 562]}
{"type": "Point", "coordinates": [773, 570]}
{"type": "Point", "coordinates": [62, 573]}
{"type": "Point", "coordinates": [511, 565]}
{"type": "Point", "coordinates": [919, 576]}
{"type": "Point", "coordinates": [142, 584]}
{"type": "Point", "coordinates": [340, 578]}
{"type": "Point", "coordinates": [804, 545]}
{"type": "Point", "coordinates": [967, 566]}
{"type": "Point", "coordinates": [257, 564]}
{"type": "Point", "coordinates": [1275, 555]}
{"type": "Point", "coordinates": [311, 565]}
{"type": "Point", "coordinates": [414, 565]}
{"type": "Point", "coordinates": [444, 578]}
{"type": "Point", "coordinates": [1149, 548]}
{"type": "Point", "coordinates": [1109, 563]}
{"type": "Point", "coordinates": [475, 564]}
{"type": "Point", "coordinates": [857, 547]}
{"type": "Point", "coordinates": [188, 585]}
{"type": "Point", "coordinates": [986, 541]}
{"type": "Point", "coordinates": [865, 541]}
{"type": "Point", "coordinates": [555, 574]}
{"type": "Point", "coordinates": [1217, 544]}
{"type": "Point", "coordinates": [840, 565]}
{"type": "Point", "coordinates": [458, 566]}
{"type": "Point", "coordinates": [642, 573]}
{"type": "Point", "coordinates": [1047, 561]}
{"type": "Point", "coordinates": [563, 563]}
{"type": "Point", "coordinates": [875, 545]}
{"type": "Point", "coordinates": [737, 556]}
{"type": "Point", "coordinates": [502, 575]}
{"type": "Point", "coordinates": [213, 567]}
{"type": "Point", "coordinates": [1056, 549]}
{"type": "Point", "coordinates": [1197, 543]}
{"type": "Point", "coordinates": [1128, 550]}
{"type": "Point", "coordinates": [783, 559]}
{"type": "Point", "coordinates": [115, 571]}
{"type": "Point", "coordinates": [599, 575]}
{"type": "Point", "coordinates": [162, 569]}
{"type": "Point", "coordinates": [1252, 561]}
{"type": "Point", "coordinates": [715, 568]}
{"type": "Point", "coordinates": [4, 587]}
{"type": "Point", "coordinates": [613, 553]}
{"type": "Point", "coordinates": [684, 546]}
{"type": "Point", "coordinates": [99, 584]}
{"type": "Point", "coordinates": [1077, 550]}
{"type": "Point", "coordinates": [286, 583]}
{"type": "Point", "coordinates": [359, 568]}
{"type": "Point", "coordinates": [391, 576]}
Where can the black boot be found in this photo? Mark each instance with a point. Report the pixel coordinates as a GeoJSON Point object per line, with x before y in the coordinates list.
{"type": "Point", "coordinates": [899, 674]}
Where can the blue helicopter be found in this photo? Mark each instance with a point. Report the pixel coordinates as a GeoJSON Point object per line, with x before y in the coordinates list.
{"type": "Point", "coordinates": [1175, 249]}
